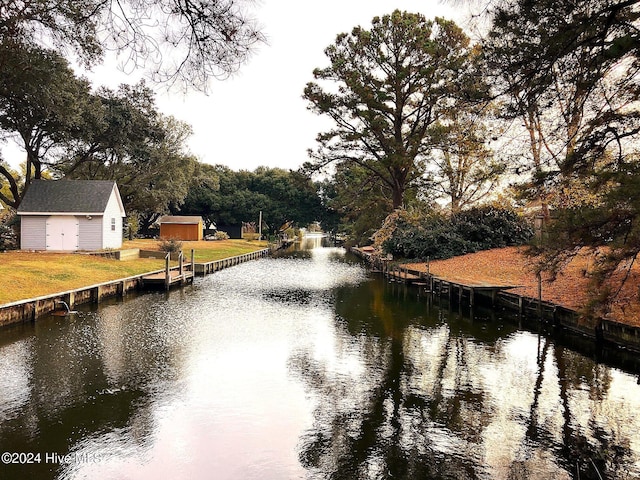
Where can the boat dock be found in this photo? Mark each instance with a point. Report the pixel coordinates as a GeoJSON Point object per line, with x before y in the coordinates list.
{"type": "Point", "coordinates": [469, 291]}
{"type": "Point", "coordinates": [454, 290]}
{"type": "Point", "coordinates": [171, 276]}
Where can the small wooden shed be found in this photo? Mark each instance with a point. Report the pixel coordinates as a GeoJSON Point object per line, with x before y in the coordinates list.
{"type": "Point", "coordinates": [181, 227]}
{"type": "Point", "coordinates": [63, 215]}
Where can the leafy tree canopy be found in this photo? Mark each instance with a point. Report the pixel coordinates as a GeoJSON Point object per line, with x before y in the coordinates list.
{"type": "Point", "coordinates": [127, 140]}
{"type": "Point", "coordinates": [569, 71]}
{"type": "Point", "coordinates": [177, 41]}
{"type": "Point", "coordinates": [42, 103]}
{"type": "Point", "coordinates": [360, 203]}
{"type": "Point", "coordinates": [384, 89]}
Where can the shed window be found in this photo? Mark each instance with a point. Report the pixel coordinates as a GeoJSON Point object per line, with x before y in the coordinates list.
{"type": "Point", "coordinates": [113, 224]}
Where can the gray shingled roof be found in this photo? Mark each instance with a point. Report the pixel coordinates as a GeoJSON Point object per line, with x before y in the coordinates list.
{"type": "Point", "coordinates": [61, 196]}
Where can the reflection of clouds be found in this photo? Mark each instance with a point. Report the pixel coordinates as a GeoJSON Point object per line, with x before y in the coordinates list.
{"type": "Point", "coordinates": [111, 331]}
{"type": "Point", "coordinates": [522, 409]}
{"type": "Point", "coordinates": [15, 377]}
{"type": "Point", "coordinates": [509, 376]}
{"type": "Point", "coordinates": [291, 274]}
{"type": "Point", "coordinates": [64, 357]}
{"type": "Point", "coordinates": [621, 412]}
{"type": "Point", "coordinates": [141, 343]}
{"type": "Point", "coordinates": [491, 391]}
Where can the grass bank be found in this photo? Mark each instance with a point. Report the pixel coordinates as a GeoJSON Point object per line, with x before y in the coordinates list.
{"type": "Point", "coordinates": [205, 251]}
{"type": "Point", "coordinates": [26, 274]}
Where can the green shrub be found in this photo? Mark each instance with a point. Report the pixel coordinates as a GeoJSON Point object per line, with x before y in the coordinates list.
{"type": "Point", "coordinates": [219, 235]}
{"type": "Point", "coordinates": [439, 236]}
{"type": "Point", "coordinates": [9, 225]}
{"type": "Point", "coordinates": [8, 238]}
{"type": "Point", "coordinates": [170, 245]}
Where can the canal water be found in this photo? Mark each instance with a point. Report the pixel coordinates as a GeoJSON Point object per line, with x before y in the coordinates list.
{"type": "Point", "coordinates": [307, 367]}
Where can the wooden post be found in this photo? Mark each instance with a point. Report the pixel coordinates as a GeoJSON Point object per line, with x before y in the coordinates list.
{"type": "Point", "coordinates": [167, 273]}
{"type": "Point", "coordinates": [70, 299]}
{"type": "Point", "coordinates": [520, 304]}
{"type": "Point", "coordinates": [471, 297]}
{"type": "Point", "coordinates": [539, 277]}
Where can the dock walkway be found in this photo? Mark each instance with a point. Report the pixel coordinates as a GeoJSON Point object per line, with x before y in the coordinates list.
{"type": "Point", "coordinates": [174, 278]}
{"type": "Point", "coordinates": [177, 275]}
{"type": "Point", "coordinates": [450, 288]}
{"type": "Point", "coordinates": [442, 286]}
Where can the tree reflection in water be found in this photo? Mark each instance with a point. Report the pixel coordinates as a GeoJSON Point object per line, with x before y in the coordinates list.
{"type": "Point", "coordinates": [455, 398]}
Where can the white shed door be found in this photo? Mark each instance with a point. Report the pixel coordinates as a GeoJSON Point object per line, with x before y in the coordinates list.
{"type": "Point", "coordinates": [62, 233]}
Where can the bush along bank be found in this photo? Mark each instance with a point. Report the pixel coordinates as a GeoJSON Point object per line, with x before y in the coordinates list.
{"type": "Point", "coordinates": [439, 236]}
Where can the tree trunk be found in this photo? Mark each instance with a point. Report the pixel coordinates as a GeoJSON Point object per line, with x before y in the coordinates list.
{"type": "Point", "coordinates": [398, 197]}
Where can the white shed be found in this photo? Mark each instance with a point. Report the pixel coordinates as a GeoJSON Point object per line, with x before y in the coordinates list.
{"type": "Point", "coordinates": [65, 215]}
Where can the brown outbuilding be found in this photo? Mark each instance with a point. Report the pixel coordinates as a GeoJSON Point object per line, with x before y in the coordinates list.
{"type": "Point", "coordinates": [180, 227]}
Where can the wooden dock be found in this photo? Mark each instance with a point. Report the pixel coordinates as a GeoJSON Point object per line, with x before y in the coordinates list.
{"type": "Point", "coordinates": [215, 265]}
{"type": "Point", "coordinates": [455, 290]}
{"type": "Point", "coordinates": [404, 276]}
{"type": "Point", "coordinates": [185, 272]}
{"type": "Point", "coordinates": [177, 275]}
{"type": "Point", "coordinates": [174, 278]}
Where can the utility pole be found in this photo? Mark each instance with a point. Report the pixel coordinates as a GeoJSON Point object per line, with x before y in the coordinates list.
{"type": "Point", "coordinates": [260, 227]}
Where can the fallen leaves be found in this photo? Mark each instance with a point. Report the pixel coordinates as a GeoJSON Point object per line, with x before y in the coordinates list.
{"type": "Point", "coordinates": [510, 266]}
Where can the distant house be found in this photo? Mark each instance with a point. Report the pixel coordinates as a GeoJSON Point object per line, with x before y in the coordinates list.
{"type": "Point", "coordinates": [181, 227]}
{"type": "Point", "coordinates": [66, 215]}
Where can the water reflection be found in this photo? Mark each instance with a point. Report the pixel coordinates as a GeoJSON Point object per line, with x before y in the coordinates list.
{"type": "Point", "coordinates": [305, 367]}
{"type": "Point", "coordinates": [438, 403]}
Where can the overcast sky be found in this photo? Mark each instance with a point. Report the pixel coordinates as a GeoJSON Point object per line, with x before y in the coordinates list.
{"type": "Point", "coordinates": [258, 116]}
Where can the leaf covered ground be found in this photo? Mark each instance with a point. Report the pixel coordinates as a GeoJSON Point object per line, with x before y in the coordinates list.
{"type": "Point", "coordinates": [510, 266]}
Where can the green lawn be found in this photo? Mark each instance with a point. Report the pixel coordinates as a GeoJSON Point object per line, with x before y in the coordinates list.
{"type": "Point", "coordinates": [26, 275]}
